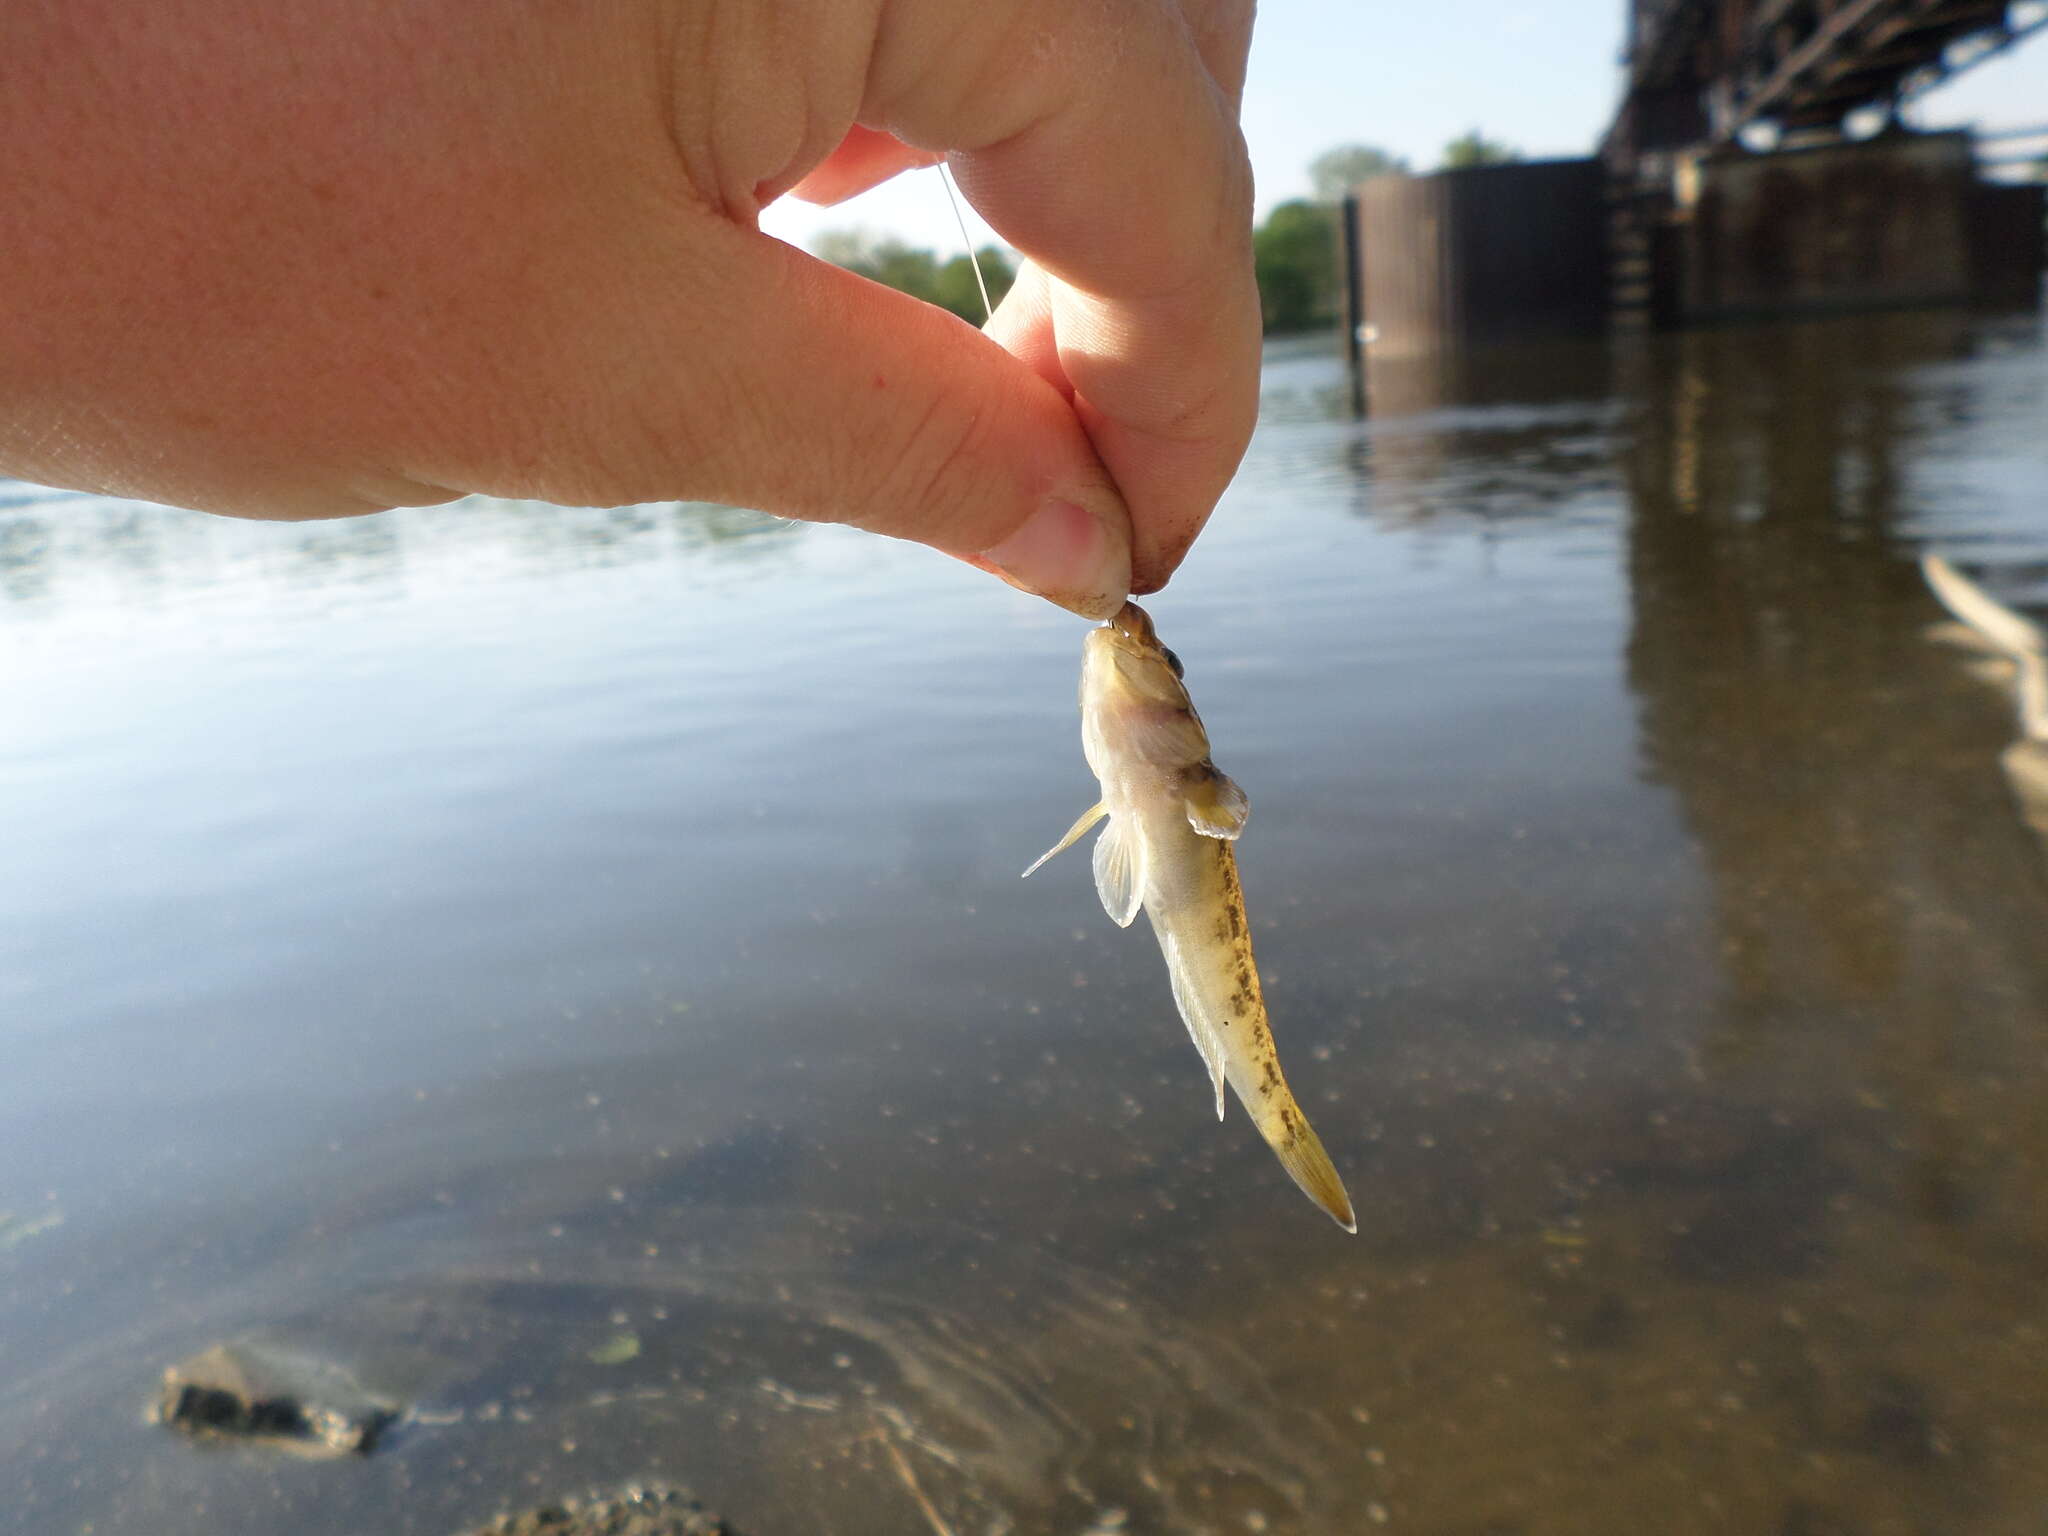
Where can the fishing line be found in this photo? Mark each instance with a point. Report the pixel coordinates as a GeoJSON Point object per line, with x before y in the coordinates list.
{"type": "Point", "coordinates": [967, 240]}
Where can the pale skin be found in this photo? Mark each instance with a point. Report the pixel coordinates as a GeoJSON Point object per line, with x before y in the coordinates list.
{"type": "Point", "coordinates": [294, 258]}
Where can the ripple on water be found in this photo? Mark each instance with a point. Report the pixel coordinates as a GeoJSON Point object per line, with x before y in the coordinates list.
{"type": "Point", "coordinates": [803, 1372]}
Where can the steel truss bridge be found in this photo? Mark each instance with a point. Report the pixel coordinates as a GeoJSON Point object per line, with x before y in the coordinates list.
{"type": "Point", "coordinates": [1700, 72]}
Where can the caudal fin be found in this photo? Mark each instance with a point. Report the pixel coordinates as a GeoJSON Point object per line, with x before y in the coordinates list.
{"type": "Point", "coordinates": [1300, 1150]}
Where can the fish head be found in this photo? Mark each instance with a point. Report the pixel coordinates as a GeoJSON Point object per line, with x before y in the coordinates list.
{"type": "Point", "coordinates": [1125, 660]}
{"type": "Point", "coordinates": [1135, 708]}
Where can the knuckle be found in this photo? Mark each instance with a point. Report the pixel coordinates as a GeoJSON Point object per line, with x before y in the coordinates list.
{"type": "Point", "coordinates": [926, 485]}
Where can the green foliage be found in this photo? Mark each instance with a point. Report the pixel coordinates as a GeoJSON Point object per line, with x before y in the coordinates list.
{"type": "Point", "coordinates": [955, 289]}
{"type": "Point", "coordinates": [1295, 252]}
{"type": "Point", "coordinates": [1336, 171]}
{"type": "Point", "coordinates": [906, 269]}
{"type": "Point", "coordinates": [1475, 148]}
{"type": "Point", "coordinates": [917, 272]}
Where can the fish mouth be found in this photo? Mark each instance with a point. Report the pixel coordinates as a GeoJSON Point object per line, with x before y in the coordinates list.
{"type": "Point", "coordinates": [1134, 623]}
{"type": "Point", "coordinates": [1127, 648]}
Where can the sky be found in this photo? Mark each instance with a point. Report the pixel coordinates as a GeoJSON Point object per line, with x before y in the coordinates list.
{"type": "Point", "coordinates": [1411, 76]}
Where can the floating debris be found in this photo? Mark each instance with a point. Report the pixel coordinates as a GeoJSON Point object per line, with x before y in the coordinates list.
{"type": "Point", "coordinates": [15, 1230]}
{"type": "Point", "coordinates": [2017, 652]}
{"type": "Point", "coordinates": [616, 1350]}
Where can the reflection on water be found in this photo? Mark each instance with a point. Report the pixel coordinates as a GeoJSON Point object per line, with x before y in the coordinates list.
{"type": "Point", "coordinates": [459, 940]}
{"type": "Point", "coordinates": [62, 551]}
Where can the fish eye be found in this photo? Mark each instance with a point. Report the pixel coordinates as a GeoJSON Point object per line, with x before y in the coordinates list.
{"type": "Point", "coordinates": [1172, 660]}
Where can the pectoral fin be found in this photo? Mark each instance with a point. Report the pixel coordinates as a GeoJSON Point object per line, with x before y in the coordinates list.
{"type": "Point", "coordinates": [1120, 871]}
{"type": "Point", "coordinates": [1216, 807]}
{"type": "Point", "coordinates": [1089, 817]}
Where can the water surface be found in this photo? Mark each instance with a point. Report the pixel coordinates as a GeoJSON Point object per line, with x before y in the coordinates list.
{"type": "Point", "coordinates": [462, 940]}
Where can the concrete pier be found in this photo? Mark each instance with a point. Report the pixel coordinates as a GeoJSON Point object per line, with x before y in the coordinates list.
{"type": "Point", "coordinates": [1738, 180]}
{"type": "Point", "coordinates": [1488, 254]}
{"type": "Point", "coordinates": [1704, 237]}
{"type": "Point", "coordinates": [1890, 222]}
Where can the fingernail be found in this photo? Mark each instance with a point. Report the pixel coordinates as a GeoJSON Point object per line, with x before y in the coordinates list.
{"type": "Point", "coordinates": [1068, 555]}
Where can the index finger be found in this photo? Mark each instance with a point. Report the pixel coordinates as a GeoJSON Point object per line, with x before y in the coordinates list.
{"type": "Point", "coordinates": [1099, 140]}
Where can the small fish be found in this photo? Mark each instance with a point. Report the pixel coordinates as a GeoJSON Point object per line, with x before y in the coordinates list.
{"type": "Point", "coordinates": [1171, 818]}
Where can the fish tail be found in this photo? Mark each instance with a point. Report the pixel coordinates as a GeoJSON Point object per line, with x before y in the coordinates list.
{"type": "Point", "coordinates": [1300, 1150]}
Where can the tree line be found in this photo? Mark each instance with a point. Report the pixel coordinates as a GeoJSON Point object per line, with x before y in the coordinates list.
{"type": "Point", "coordinates": [920, 273]}
{"type": "Point", "coordinates": [1295, 250]}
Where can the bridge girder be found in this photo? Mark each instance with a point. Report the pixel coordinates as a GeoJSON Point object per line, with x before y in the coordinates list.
{"type": "Point", "coordinates": [1700, 71]}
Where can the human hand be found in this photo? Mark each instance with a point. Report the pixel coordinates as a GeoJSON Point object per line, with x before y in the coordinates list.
{"type": "Point", "coordinates": [309, 260]}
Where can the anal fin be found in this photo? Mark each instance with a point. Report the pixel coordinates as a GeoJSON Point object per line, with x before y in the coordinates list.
{"type": "Point", "coordinates": [1200, 1030]}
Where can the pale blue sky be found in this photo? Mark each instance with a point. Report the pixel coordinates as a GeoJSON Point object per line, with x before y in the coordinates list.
{"type": "Point", "coordinates": [1411, 76]}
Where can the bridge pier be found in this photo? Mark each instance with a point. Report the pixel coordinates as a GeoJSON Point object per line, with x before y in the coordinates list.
{"type": "Point", "coordinates": [1698, 237]}
{"type": "Point", "coordinates": [1677, 223]}
{"type": "Point", "coordinates": [1491, 253]}
{"type": "Point", "coordinates": [1882, 223]}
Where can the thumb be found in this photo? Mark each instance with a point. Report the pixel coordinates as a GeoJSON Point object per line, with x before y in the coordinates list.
{"type": "Point", "coordinates": [814, 393]}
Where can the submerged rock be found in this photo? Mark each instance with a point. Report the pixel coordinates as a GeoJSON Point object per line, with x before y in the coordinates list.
{"type": "Point", "coordinates": [256, 1391]}
{"type": "Point", "coordinates": [638, 1512]}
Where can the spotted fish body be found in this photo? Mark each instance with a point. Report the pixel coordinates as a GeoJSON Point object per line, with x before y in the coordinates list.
{"type": "Point", "coordinates": [1171, 818]}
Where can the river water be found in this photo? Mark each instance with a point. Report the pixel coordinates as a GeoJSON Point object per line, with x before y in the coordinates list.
{"type": "Point", "coordinates": [570, 967]}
